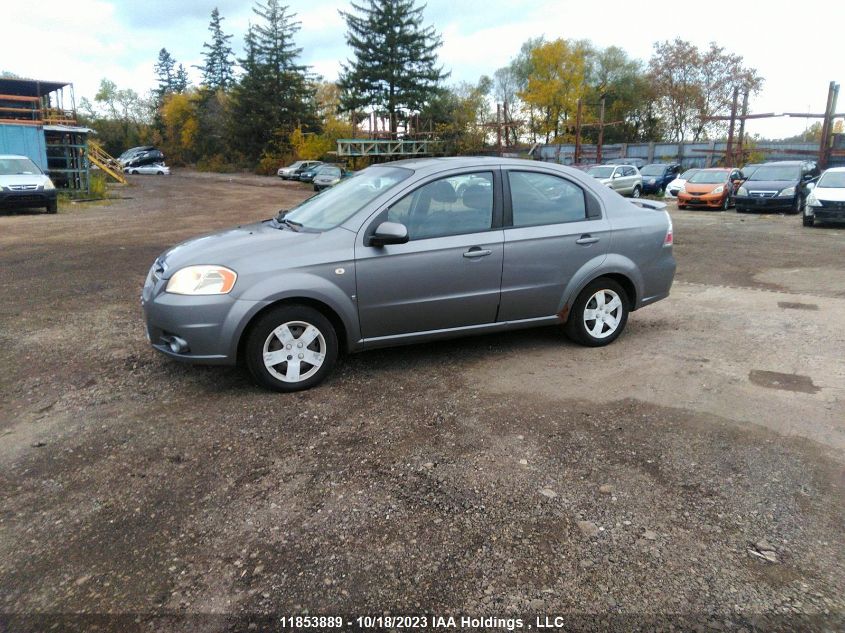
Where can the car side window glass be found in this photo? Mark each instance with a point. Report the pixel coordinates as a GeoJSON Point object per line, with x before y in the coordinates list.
{"type": "Point", "coordinates": [544, 199]}
{"type": "Point", "coordinates": [448, 206]}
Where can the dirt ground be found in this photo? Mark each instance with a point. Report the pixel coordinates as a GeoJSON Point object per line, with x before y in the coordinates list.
{"type": "Point", "coordinates": [694, 468]}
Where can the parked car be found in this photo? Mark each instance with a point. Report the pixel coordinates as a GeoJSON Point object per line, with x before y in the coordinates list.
{"type": "Point", "coordinates": [157, 169]}
{"type": "Point", "coordinates": [639, 163]}
{"type": "Point", "coordinates": [711, 188]}
{"type": "Point", "coordinates": [149, 157]}
{"type": "Point", "coordinates": [328, 176]}
{"type": "Point", "coordinates": [778, 186]}
{"type": "Point", "coordinates": [676, 185]}
{"type": "Point", "coordinates": [394, 256]}
{"type": "Point", "coordinates": [292, 172]}
{"type": "Point", "coordinates": [657, 176]}
{"type": "Point", "coordinates": [826, 201]}
{"type": "Point", "coordinates": [24, 185]}
{"type": "Point", "coordinates": [132, 152]}
{"type": "Point", "coordinates": [307, 175]}
{"type": "Point", "coordinates": [623, 179]}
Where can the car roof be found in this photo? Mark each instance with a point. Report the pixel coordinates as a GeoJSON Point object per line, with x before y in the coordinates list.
{"type": "Point", "coordinates": [716, 168]}
{"type": "Point", "coordinates": [838, 170]}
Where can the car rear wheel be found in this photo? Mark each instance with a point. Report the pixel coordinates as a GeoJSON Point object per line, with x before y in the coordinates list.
{"type": "Point", "coordinates": [808, 220]}
{"type": "Point", "coordinates": [291, 348]}
{"type": "Point", "coordinates": [599, 314]}
{"type": "Point", "coordinates": [636, 192]}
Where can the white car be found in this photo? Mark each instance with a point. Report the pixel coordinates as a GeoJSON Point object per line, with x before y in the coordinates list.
{"type": "Point", "coordinates": [24, 185]}
{"type": "Point", "coordinates": [674, 187]}
{"type": "Point", "coordinates": [827, 199]}
{"type": "Point", "coordinates": [157, 169]}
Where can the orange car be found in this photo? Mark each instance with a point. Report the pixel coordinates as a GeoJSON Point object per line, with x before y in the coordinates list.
{"type": "Point", "coordinates": [710, 188]}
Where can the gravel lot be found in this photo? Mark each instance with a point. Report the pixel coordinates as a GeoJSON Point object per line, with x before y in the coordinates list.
{"type": "Point", "coordinates": [693, 468]}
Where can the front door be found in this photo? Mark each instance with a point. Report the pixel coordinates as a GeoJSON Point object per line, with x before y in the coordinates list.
{"type": "Point", "coordinates": [448, 274]}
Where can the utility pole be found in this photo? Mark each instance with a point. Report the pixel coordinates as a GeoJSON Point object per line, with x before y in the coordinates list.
{"type": "Point", "coordinates": [601, 132]}
{"type": "Point", "coordinates": [827, 123]}
{"type": "Point", "coordinates": [499, 127]}
{"type": "Point", "coordinates": [742, 127]}
{"type": "Point", "coordinates": [578, 132]}
{"type": "Point", "coordinates": [730, 149]}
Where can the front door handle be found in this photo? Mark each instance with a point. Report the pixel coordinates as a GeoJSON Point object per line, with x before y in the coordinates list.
{"type": "Point", "coordinates": [477, 251]}
{"type": "Point", "coordinates": [587, 239]}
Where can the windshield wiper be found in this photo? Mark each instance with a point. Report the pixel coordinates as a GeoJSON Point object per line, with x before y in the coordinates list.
{"type": "Point", "coordinates": [296, 226]}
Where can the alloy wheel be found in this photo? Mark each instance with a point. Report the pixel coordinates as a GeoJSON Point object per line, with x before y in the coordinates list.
{"type": "Point", "coordinates": [294, 351]}
{"type": "Point", "coordinates": [603, 313]}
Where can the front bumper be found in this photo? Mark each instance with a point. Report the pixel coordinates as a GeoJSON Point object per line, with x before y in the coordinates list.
{"type": "Point", "coordinates": [834, 212]}
{"type": "Point", "coordinates": [652, 187]}
{"type": "Point", "coordinates": [755, 203]}
{"type": "Point", "coordinates": [210, 325]}
{"type": "Point", "coordinates": [709, 200]}
{"type": "Point", "coordinates": [27, 199]}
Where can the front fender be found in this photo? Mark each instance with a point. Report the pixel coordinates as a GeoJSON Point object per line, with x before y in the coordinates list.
{"type": "Point", "coordinates": [339, 297]}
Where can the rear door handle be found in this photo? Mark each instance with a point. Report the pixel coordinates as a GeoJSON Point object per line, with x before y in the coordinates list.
{"type": "Point", "coordinates": [477, 251]}
{"type": "Point", "coordinates": [587, 239]}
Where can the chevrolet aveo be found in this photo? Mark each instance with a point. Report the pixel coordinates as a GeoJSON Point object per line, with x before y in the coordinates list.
{"type": "Point", "coordinates": [409, 252]}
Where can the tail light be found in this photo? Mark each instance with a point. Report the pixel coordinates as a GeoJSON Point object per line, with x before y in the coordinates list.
{"type": "Point", "coordinates": [670, 238]}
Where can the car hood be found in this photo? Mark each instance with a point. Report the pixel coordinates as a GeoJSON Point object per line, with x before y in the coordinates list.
{"type": "Point", "coordinates": [702, 188]}
{"type": "Point", "coordinates": [835, 194]}
{"type": "Point", "coordinates": [768, 185]}
{"type": "Point", "coordinates": [23, 179]}
{"type": "Point", "coordinates": [677, 182]}
{"type": "Point", "coordinates": [233, 247]}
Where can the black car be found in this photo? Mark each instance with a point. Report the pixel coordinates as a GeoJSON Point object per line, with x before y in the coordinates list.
{"type": "Point", "coordinates": [149, 157]}
{"type": "Point", "coordinates": [657, 175]}
{"type": "Point", "coordinates": [778, 186]}
{"type": "Point", "coordinates": [307, 175]}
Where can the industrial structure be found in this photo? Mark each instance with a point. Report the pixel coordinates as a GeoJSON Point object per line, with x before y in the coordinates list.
{"type": "Point", "coordinates": [38, 120]}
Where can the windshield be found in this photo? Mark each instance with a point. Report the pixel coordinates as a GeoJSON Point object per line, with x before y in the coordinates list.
{"type": "Point", "coordinates": [832, 179]}
{"type": "Point", "coordinates": [329, 171]}
{"type": "Point", "coordinates": [689, 173]}
{"type": "Point", "coordinates": [18, 167]}
{"type": "Point", "coordinates": [600, 171]}
{"type": "Point", "coordinates": [336, 205]}
{"type": "Point", "coordinates": [652, 170]}
{"type": "Point", "coordinates": [709, 177]}
{"type": "Point", "coordinates": [295, 165]}
{"type": "Point", "coordinates": [776, 172]}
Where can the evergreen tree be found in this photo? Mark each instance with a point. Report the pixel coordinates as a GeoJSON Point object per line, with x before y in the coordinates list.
{"type": "Point", "coordinates": [395, 65]}
{"type": "Point", "coordinates": [274, 95]}
{"type": "Point", "coordinates": [165, 69]}
{"type": "Point", "coordinates": [217, 70]}
{"type": "Point", "coordinates": [180, 80]}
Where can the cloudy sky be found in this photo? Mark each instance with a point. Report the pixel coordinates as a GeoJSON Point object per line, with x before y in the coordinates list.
{"type": "Point", "coordinates": [795, 46]}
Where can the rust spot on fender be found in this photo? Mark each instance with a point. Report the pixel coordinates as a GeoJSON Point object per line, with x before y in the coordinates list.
{"type": "Point", "coordinates": [563, 315]}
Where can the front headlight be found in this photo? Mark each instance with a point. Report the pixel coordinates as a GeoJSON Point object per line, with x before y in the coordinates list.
{"type": "Point", "coordinates": [48, 185]}
{"type": "Point", "coordinates": [651, 181]}
{"type": "Point", "coordinates": [718, 189]}
{"type": "Point", "coordinates": [742, 191]}
{"type": "Point", "coordinates": [812, 201]}
{"type": "Point", "coordinates": [202, 280]}
{"type": "Point", "coordinates": [787, 193]}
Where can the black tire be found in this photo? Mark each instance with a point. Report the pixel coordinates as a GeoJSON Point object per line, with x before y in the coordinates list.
{"type": "Point", "coordinates": [808, 220]}
{"type": "Point", "coordinates": [134, 172]}
{"type": "Point", "coordinates": [726, 204]}
{"type": "Point", "coordinates": [797, 207]}
{"type": "Point", "coordinates": [741, 209]}
{"type": "Point", "coordinates": [636, 192]}
{"type": "Point", "coordinates": [576, 328]}
{"type": "Point", "coordinates": [53, 206]}
{"type": "Point", "coordinates": [261, 333]}
{"type": "Point", "coordinates": [682, 206]}
{"type": "Point", "coordinates": [160, 173]}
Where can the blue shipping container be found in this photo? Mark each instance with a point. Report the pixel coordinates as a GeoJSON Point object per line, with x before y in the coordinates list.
{"type": "Point", "coordinates": [25, 140]}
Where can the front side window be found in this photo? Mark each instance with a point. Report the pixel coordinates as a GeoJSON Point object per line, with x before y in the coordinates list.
{"type": "Point", "coordinates": [448, 206]}
{"type": "Point", "coordinates": [544, 199]}
{"type": "Point", "coordinates": [628, 171]}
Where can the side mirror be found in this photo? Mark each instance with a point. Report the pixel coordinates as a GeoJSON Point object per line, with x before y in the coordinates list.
{"type": "Point", "coordinates": [616, 175]}
{"type": "Point", "coordinates": [389, 233]}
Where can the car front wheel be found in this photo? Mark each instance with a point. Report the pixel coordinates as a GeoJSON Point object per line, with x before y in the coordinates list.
{"type": "Point", "coordinates": [636, 192]}
{"type": "Point", "coordinates": [291, 348]}
{"type": "Point", "coordinates": [599, 314]}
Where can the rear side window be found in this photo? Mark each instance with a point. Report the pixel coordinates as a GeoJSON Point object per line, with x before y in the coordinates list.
{"type": "Point", "coordinates": [544, 199]}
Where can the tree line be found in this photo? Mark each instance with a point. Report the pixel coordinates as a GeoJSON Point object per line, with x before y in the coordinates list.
{"type": "Point", "coordinates": [266, 107]}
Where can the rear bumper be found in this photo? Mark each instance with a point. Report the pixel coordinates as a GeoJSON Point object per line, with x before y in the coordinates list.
{"type": "Point", "coordinates": [26, 199]}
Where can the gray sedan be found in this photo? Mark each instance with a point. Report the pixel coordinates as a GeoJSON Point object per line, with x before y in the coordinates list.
{"type": "Point", "coordinates": [410, 252]}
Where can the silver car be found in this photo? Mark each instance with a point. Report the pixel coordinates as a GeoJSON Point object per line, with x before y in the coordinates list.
{"type": "Point", "coordinates": [396, 255]}
{"type": "Point", "coordinates": [625, 180]}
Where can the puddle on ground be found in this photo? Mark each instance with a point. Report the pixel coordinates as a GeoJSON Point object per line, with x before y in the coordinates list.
{"type": "Point", "coordinates": [795, 305]}
{"type": "Point", "coordinates": [787, 382]}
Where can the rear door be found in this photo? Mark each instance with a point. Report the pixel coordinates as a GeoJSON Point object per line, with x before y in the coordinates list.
{"type": "Point", "coordinates": [554, 228]}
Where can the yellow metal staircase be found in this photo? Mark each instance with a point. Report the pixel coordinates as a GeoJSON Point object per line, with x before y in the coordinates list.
{"type": "Point", "coordinates": [98, 156]}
